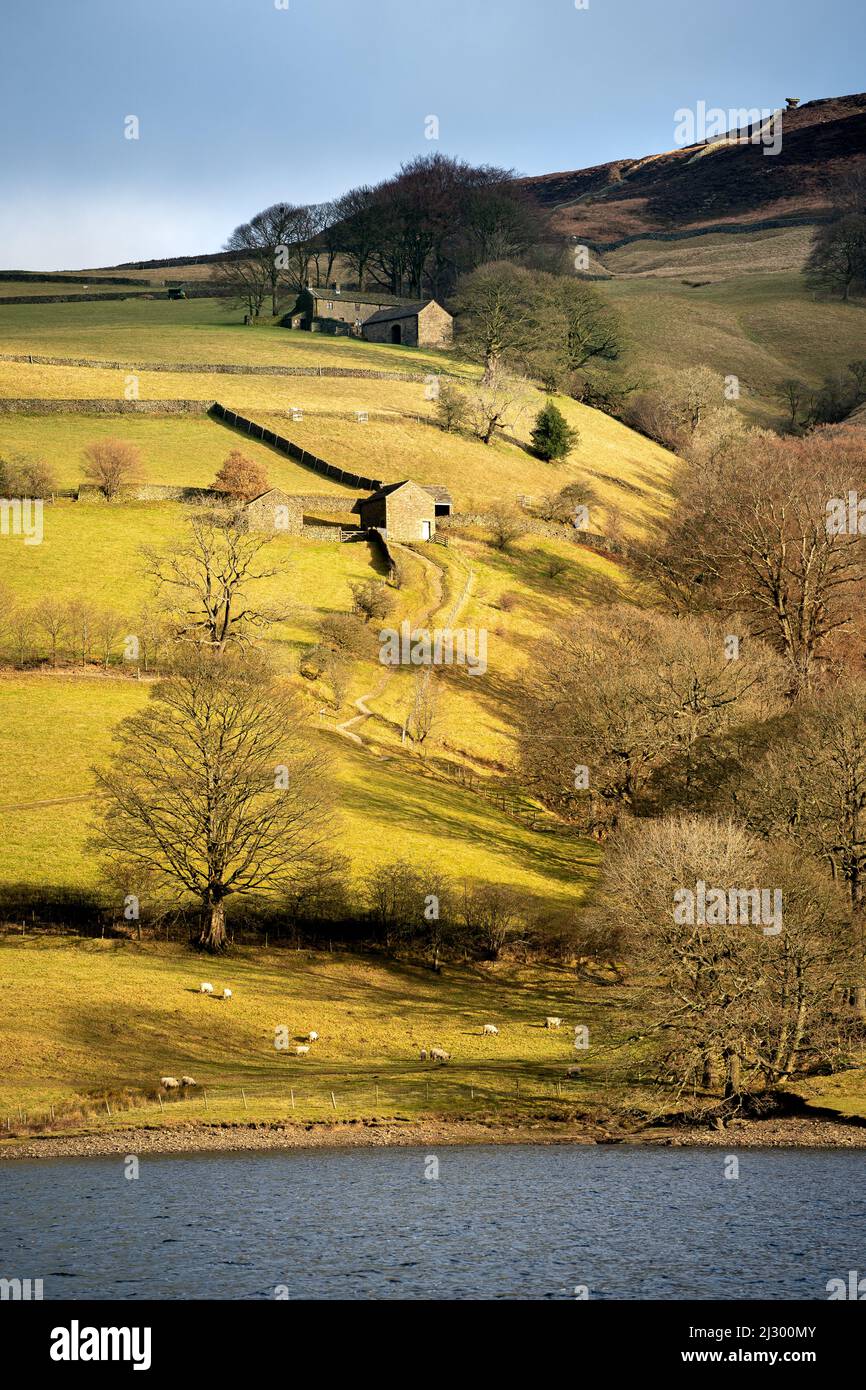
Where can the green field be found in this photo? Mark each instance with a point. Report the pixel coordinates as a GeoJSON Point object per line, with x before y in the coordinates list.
{"type": "Point", "coordinates": [393, 800]}
{"type": "Point", "coordinates": [85, 1020]}
{"type": "Point", "coordinates": [757, 326]}
{"type": "Point", "coordinates": [189, 330]}
{"type": "Point", "coordinates": [185, 451]}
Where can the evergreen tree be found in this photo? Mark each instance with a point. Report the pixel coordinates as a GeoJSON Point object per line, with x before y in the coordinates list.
{"type": "Point", "coordinates": [553, 436]}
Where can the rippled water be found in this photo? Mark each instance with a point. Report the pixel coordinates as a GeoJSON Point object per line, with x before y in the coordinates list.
{"type": "Point", "coordinates": [500, 1222]}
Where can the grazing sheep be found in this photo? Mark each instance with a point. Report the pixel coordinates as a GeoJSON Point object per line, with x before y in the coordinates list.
{"type": "Point", "coordinates": [168, 1083]}
{"type": "Point", "coordinates": [572, 1073]}
{"type": "Point", "coordinates": [423, 1054]}
{"type": "Point", "coordinates": [313, 1037]}
{"type": "Point", "coordinates": [491, 1029]}
{"type": "Point", "coordinates": [438, 1054]}
{"type": "Point", "coordinates": [188, 1081]}
{"type": "Point", "coordinates": [227, 994]}
{"type": "Point", "coordinates": [302, 1049]}
{"type": "Point", "coordinates": [553, 1022]}
{"type": "Point", "coordinates": [205, 988]}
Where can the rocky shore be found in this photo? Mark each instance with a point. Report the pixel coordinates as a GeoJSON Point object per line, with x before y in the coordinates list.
{"type": "Point", "coordinates": [778, 1132]}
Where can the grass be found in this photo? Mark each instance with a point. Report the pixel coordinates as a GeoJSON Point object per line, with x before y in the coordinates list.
{"type": "Point", "coordinates": [93, 550]}
{"type": "Point", "coordinates": [88, 1019]}
{"type": "Point", "coordinates": [180, 451]}
{"type": "Point", "coordinates": [759, 327]}
{"type": "Point", "coordinates": [189, 330]}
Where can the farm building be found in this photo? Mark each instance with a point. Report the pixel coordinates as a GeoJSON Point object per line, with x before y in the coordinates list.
{"type": "Point", "coordinates": [425, 324]}
{"type": "Point", "coordinates": [404, 511]}
{"type": "Point", "coordinates": [391, 319]}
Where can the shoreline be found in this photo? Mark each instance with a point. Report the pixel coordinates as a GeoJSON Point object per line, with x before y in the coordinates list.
{"type": "Point", "coordinates": [797, 1132]}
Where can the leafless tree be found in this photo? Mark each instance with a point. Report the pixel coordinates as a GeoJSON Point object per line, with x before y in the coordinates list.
{"type": "Point", "coordinates": [216, 787]}
{"type": "Point", "coordinates": [205, 582]}
{"type": "Point", "coordinates": [111, 465]}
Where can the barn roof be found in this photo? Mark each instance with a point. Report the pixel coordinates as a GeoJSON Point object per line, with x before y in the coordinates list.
{"type": "Point", "coordinates": [354, 296]}
{"type": "Point", "coordinates": [399, 311]}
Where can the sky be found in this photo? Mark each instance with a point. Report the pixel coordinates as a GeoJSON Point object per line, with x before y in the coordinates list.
{"type": "Point", "coordinates": [241, 103]}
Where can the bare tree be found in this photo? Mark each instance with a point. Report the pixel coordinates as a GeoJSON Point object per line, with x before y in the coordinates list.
{"type": "Point", "coordinates": [496, 404]}
{"type": "Point", "coordinates": [111, 465]}
{"type": "Point", "coordinates": [751, 535]}
{"type": "Point", "coordinates": [624, 710]}
{"type": "Point", "coordinates": [52, 619]}
{"type": "Point", "coordinates": [732, 1002]}
{"type": "Point", "coordinates": [205, 582]}
{"type": "Point", "coordinates": [215, 787]}
{"type": "Point", "coordinates": [837, 260]}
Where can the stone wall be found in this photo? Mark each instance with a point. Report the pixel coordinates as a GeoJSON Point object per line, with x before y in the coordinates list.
{"type": "Point", "coordinates": [302, 456]}
{"type": "Point", "coordinates": [102, 405]}
{"type": "Point", "coordinates": [152, 492]}
{"type": "Point", "coordinates": [215, 368]}
{"type": "Point", "coordinates": [534, 526]}
{"type": "Point", "coordinates": [311, 532]}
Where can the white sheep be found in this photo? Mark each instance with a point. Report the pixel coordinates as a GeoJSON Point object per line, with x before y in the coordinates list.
{"type": "Point", "coordinates": [438, 1054]}
{"type": "Point", "coordinates": [168, 1083]}
{"type": "Point", "coordinates": [302, 1049]}
{"type": "Point", "coordinates": [553, 1022]}
{"type": "Point", "coordinates": [188, 1081]}
{"type": "Point", "coordinates": [423, 1054]}
{"type": "Point", "coordinates": [572, 1073]}
{"type": "Point", "coordinates": [313, 1037]}
{"type": "Point", "coordinates": [227, 994]}
{"type": "Point", "coordinates": [491, 1029]}
{"type": "Point", "coordinates": [205, 988]}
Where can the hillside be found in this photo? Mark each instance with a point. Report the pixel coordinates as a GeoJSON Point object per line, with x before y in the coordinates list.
{"type": "Point", "coordinates": [92, 553]}
{"type": "Point", "coordinates": [707, 184]}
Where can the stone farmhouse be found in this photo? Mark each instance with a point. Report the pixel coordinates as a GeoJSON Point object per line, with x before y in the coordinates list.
{"type": "Point", "coordinates": [404, 511]}
{"type": "Point", "coordinates": [380, 318]}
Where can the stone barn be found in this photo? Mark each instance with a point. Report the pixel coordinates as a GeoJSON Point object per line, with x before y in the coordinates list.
{"type": "Point", "coordinates": [425, 324]}
{"type": "Point", "coordinates": [274, 510]}
{"type": "Point", "coordinates": [404, 511]}
{"type": "Point", "coordinates": [333, 307]}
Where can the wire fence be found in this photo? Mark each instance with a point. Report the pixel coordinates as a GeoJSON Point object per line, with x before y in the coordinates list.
{"type": "Point", "coordinates": [310, 1097]}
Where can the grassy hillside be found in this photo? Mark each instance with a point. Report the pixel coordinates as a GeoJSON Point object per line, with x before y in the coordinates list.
{"type": "Point", "coordinates": [70, 1009]}
{"type": "Point", "coordinates": [760, 327]}
{"type": "Point", "coordinates": [445, 804]}
{"type": "Point", "coordinates": [188, 330]}
{"type": "Point", "coordinates": [186, 451]}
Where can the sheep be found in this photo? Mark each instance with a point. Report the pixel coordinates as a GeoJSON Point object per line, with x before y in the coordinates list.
{"type": "Point", "coordinates": [491, 1029]}
{"type": "Point", "coordinates": [168, 1083]}
{"type": "Point", "coordinates": [227, 994]}
{"type": "Point", "coordinates": [572, 1073]}
{"type": "Point", "coordinates": [313, 1037]}
{"type": "Point", "coordinates": [553, 1022]}
{"type": "Point", "coordinates": [188, 1081]}
{"type": "Point", "coordinates": [205, 988]}
{"type": "Point", "coordinates": [438, 1054]}
{"type": "Point", "coordinates": [423, 1054]}
{"type": "Point", "coordinates": [302, 1049]}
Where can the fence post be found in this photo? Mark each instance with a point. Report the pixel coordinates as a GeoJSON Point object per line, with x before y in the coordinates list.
{"type": "Point", "coordinates": [292, 1094]}
{"type": "Point", "coordinates": [333, 1100]}
{"type": "Point", "coordinates": [244, 1094]}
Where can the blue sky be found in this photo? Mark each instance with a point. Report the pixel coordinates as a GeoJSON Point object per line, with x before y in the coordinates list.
{"type": "Point", "coordinates": [241, 103]}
